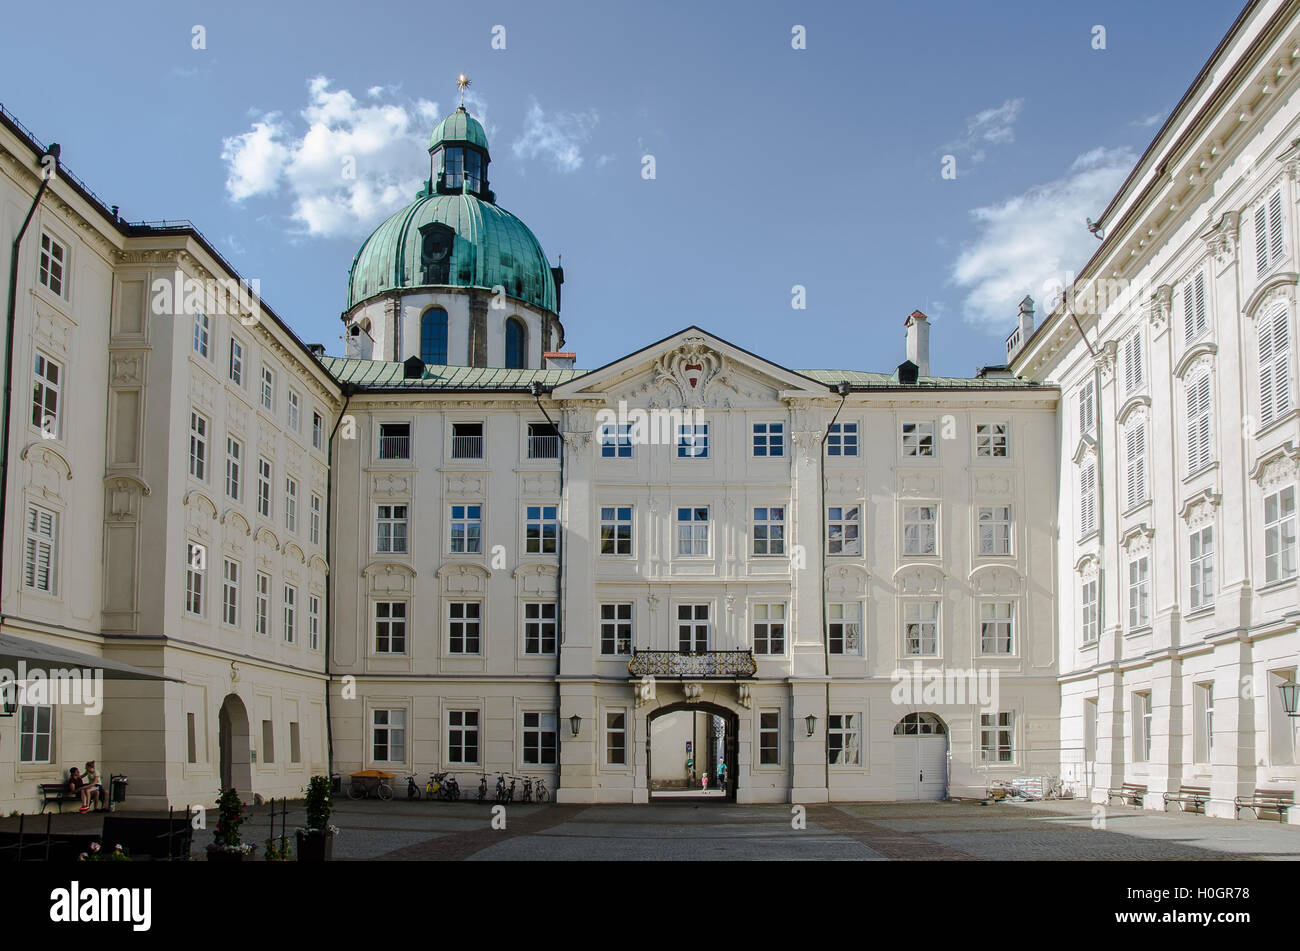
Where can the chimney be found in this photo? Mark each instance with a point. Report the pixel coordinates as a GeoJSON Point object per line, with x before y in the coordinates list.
{"type": "Point", "coordinates": [918, 341]}
{"type": "Point", "coordinates": [316, 349]}
{"type": "Point", "coordinates": [559, 361]}
{"type": "Point", "coordinates": [1026, 318]}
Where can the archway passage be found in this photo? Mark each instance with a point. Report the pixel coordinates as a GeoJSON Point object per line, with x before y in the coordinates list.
{"type": "Point", "coordinates": [691, 752]}
{"type": "Point", "coordinates": [232, 740]}
{"type": "Point", "coordinates": [920, 757]}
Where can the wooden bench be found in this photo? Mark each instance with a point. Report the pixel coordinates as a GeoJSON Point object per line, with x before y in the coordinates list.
{"type": "Point", "coordinates": [1129, 793]}
{"type": "Point", "coordinates": [1279, 800]}
{"type": "Point", "coordinates": [57, 792]}
{"type": "Point", "coordinates": [1198, 796]}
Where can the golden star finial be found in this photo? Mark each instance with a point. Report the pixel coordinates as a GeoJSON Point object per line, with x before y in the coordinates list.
{"type": "Point", "coordinates": [462, 83]}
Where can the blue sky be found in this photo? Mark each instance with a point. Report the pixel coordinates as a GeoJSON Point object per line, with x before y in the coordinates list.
{"type": "Point", "coordinates": [775, 167]}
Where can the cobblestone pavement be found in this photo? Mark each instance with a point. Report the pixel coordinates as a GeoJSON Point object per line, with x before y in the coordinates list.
{"type": "Point", "coordinates": [686, 831]}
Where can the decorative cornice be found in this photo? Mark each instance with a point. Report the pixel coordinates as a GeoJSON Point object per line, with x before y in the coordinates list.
{"type": "Point", "coordinates": [1280, 286]}
{"type": "Point", "coordinates": [1198, 354]}
{"type": "Point", "coordinates": [1276, 467]}
{"type": "Point", "coordinates": [1221, 239]}
{"type": "Point", "coordinates": [1159, 306]}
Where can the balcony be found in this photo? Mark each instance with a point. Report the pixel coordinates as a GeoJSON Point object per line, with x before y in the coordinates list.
{"type": "Point", "coordinates": [467, 447]}
{"type": "Point", "coordinates": [694, 666]}
{"type": "Point", "coordinates": [394, 446]}
{"type": "Point", "coordinates": [544, 447]}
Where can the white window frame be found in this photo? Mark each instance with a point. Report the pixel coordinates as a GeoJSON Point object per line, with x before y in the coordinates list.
{"type": "Point", "coordinates": [196, 568]}
{"type": "Point", "coordinates": [993, 440]}
{"type": "Point", "coordinates": [613, 519]}
{"type": "Point", "coordinates": [291, 505]}
{"type": "Point", "coordinates": [268, 389]}
{"type": "Point", "coordinates": [1200, 567]}
{"type": "Point", "coordinates": [392, 528]}
{"type": "Point", "coordinates": [468, 616]}
{"type": "Point", "coordinates": [1280, 534]}
{"type": "Point", "coordinates": [234, 467]}
{"type": "Point", "coordinates": [769, 738]}
{"type": "Point", "coordinates": [844, 628]}
{"type": "Point", "coordinates": [769, 523]}
{"type": "Point", "coordinates": [998, 738]}
{"type": "Point", "coordinates": [235, 369]}
{"type": "Point", "coordinates": [52, 265]}
{"type": "Point", "coordinates": [920, 626]}
{"type": "Point", "coordinates": [534, 747]}
{"type": "Point", "coordinates": [313, 621]}
{"type": "Point", "coordinates": [200, 427]}
{"type": "Point", "coordinates": [694, 531]}
{"type": "Point", "coordinates": [995, 530]}
{"type": "Point", "coordinates": [31, 731]}
{"type": "Point", "coordinates": [203, 336]}
{"type": "Point", "coordinates": [1139, 593]}
{"type": "Point", "coordinates": [295, 410]}
{"type": "Point", "coordinates": [265, 483]}
{"type": "Point", "coordinates": [40, 545]}
{"type": "Point", "coordinates": [317, 509]}
{"type": "Point", "coordinates": [47, 391]}
{"type": "Point", "coordinates": [1142, 722]}
{"type": "Point", "coordinates": [842, 439]}
{"type": "Point", "coordinates": [921, 530]}
{"type": "Point", "coordinates": [390, 625]}
{"type": "Point", "coordinates": [392, 723]}
{"type": "Point", "coordinates": [1091, 606]}
{"type": "Point", "coordinates": [465, 723]}
{"type": "Point", "coordinates": [616, 628]}
{"type": "Point", "coordinates": [541, 529]}
{"type": "Point", "coordinates": [465, 525]}
{"type": "Point", "coordinates": [540, 625]}
{"type": "Point", "coordinates": [918, 440]}
{"type": "Point", "coordinates": [693, 441]}
{"type": "Point", "coordinates": [844, 739]}
{"type": "Point", "coordinates": [844, 530]}
{"type": "Point", "coordinates": [695, 628]}
{"type": "Point", "coordinates": [230, 571]}
{"type": "Point", "coordinates": [997, 630]}
{"type": "Point", "coordinates": [616, 726]}
{"type": "Point", "coordinates": [262, 604]}
{"type": "Point", "coordinates": [290, 614]}
{"type": "Point", "coordinates": [768, 440]}
{"type": "Point", "coordinates": [769, 628]}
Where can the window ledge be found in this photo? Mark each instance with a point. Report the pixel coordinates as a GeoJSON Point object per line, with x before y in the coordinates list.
{"type": "Point", "coordinates": [1202, 471]}
{"type": "Point", "coordinates": [1276, 585]}
{"type": "Point", "coordinates": [1288, 417]}
{"type": "Point", "coordinates": [1133, 510]}
{"type": "Point", "coordinates": [1205, 610]}
{"type": "Point", "coordinates": [1145, 629]}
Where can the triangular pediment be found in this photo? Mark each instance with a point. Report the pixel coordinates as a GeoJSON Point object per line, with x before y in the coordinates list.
{"type": "Point", "coordinates": [691, 368]}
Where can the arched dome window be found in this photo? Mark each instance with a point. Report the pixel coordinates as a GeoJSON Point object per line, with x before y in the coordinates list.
{"type": "Point", "coordinates": [516, 344]}
{"type": "Point", "coordinates": [433, 336]}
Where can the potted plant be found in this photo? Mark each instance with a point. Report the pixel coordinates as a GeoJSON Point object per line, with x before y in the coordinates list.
{"type": "Point", "coordinates": [227, 845]}
{"type": "Point", "coordinates": [277, 848]}
{"type": "Point", "coordinates": [99, 854]}
{"type": "Point", "coordinates": [316, 842]}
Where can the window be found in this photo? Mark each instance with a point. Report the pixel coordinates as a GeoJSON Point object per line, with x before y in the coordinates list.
{"type": "Point", "coordinates": [202, 335]}
{"type": "Point", "coordinates": [991, 440]}
{"type": "Point", "coordinates": [1090, 730]}
{"type": "Point", "coordinates": [466, 529]}
{"type": "Point", "coordinates": [1141, 727]}
{"type": "Point", "coordinates": [463, 620]}
{"type": "Point", "coordinates": [263, 488]}
{"type": "Point", "coordinates": [262, 618]}
{"type": "Point", "coordinates": [1139, 594]}
{"type": "Point", "coordinates": [313, 622]}
{"type": "Point", "coordinates": [543, 441]}
{"type": "Point", "coordinates": [230, 593]}
{"type": "Point", "coordinates": [295, 410]}
{"type": "Point", "coordinates": [842, 439]}
{"type": "Point", "coordinates": [996, 744]}
{"type": "Point", "coordinates": [1203, 723]}
{"type": "Point", "coordinates": [291, 505]}
{"type": "Point", "coordinates": [390, 529]}
{"type": "Point", "coordinates": [433, 337]}
{"type": "Point", "coordinates": [40, 554]}
{"type": "Point", "coordinates": [769, 629]}
{"type": "Point", "coordinates": [769, 530]}
{"type": "Point", "coordinates": [769, 738]}
{"type": "Point", "coordinates": [195, 568]}
{"type": "Point", "coordinates": [390, 627]}
{"type": "Point", "coordinates": [1279, 535]}
{"type": "Point", "coordinates": [317, 430]}
{"type": "Point", "coordinates": [541, 529]}
{"type": "Point", "coordinates": [995, 529]}
{"type": "Point", "coordinates": [516, 344]}
{"type": "Point", "coordinates": [53, 264]}
{"type": "Point", "coordinates": [1194, 322]}
{"type": "Point", "coordinates": [844, 628]}
{"type": "Point", "coordinates": [539, 627]}
{"type": "Point", "coordinates": [616, 530]}
{"type": "Point", "coordinates": [921, 628]}
{"type": "Point", "coordinates": [1283, 730]}
{"type": "Point", "coordinates": [539, 739]}
{"type": "Point", "coordinates": [997, 627]}
{"type": "Point", "coordinates": [920, 535]}
{"type": "Point", "coordinates": [47, 376]}
{"type": "Point", "coordinates": [842, 739]}
{"type": "Point", "coordinates": [236, 362]}
{"type": "Point", "coordinates": [198, 446]}
{"type": "Point", "coordinates": [918, 439]}
{"type": "Point", "coordinates": [616, 628]}
{"type": "Point", "coordinates": [295, 743]}
{"type": "Point", "coordinates": [692, 628]}
{"type": "Point", "coordinates": [843, 536]}
{"type": "Point", "coordinates": [388, 736]}
{"type": "Point", "coordinates": [191, 740]}
{"type": "Point", "coordinates": [1135, 464]}
{"type": "Point", "coordinates": [615, 738]}
{"type": "Point", "coordinates": [35, 734]}
{"type": "Point", "coordinates": [314, 530]}
{"type": "Point", "coordinates": [693, 441]}
{"type": "Point", "coordinates": [1091, 618]}
{"type": "Point", "coordinates": [1270, 241]}
{"type": "Point", "coordinates": [234, 455]}
{"type": "Point", "coordinates": [693, 531]}
{"type": "Point", "coordinates": [268, 389]}
{"type": "Point", "coordinates": [1274, 365]}
{"type": "Point", "coordinates": [1133, 374]}
{"type": "Point", "coordinates": [467, 440]}
{"type": "Point", "coordinates": [1087, 499]}
{"type": "Point", "coordinates": [290, 614]}
{"type": "Point", "coordinates": [1198, 423]}
{"type": "Point", "coordinates": [462, 736]}
{"type": "Point", "coordinates": [616, 441]}
{"type": "Point", "coordinates": [394, 440]}
{"type": "Point", "coordinates": [1201, 564]}
{"type": "Point", "coordinates": [1087, 406]}
{"type": "Point", "coordinates": [769, 440]}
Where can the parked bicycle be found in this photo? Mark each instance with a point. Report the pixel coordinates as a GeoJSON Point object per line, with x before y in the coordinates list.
{"type": "Point", "coordinates": [412, 788]}
{"type": "Point", "coordinates": [540, 792]}
{"type": "Point", "coordinates": [370, 781]}
{"type": "Point", "coordinates": [528, 790]}
{"type": "Point", "coordinates": [501, 787]}
{"type": "Point", "coordinates": [482, 788]}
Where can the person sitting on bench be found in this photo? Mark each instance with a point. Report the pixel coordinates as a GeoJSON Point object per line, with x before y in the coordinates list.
{"type": "Point", "coordinates": [91, 778]}
{"type": "Point", "coordinates": [78, 786]}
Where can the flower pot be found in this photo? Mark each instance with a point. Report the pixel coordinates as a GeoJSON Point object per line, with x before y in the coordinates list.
{"type": "Point", "coordinates": [315, 845]}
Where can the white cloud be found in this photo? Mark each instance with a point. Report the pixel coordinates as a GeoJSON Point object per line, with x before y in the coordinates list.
{"type": "Point", "coordinates": [352, 164]}
{"type": "Point", "coordinates": [556, 137]}
{"type": "Point", "coordinates": [1148, 121]}
{"type": "Point", "coordinates": [1030, 241]}
{"type": "Point", "coordinates": [995, 126]}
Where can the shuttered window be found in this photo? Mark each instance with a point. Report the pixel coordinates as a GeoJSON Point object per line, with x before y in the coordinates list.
{"type": "Point", "coordinates": [1135, 438]}
{"type": "Point", "coordinates": [1194, 322]}
{"type": "Point", "coordinates": [1088, 499]}
{"type": "Point", "coordinates": [1133, 374]}
{"type": "Point", "coordinates": [38, 549]}
{"type": "Point", "coordinates": [1270, 245]}
{"type": "Point", "coordinates": [1086, 417]}
{"type": "Point", "coordinates": [1274, 364]}
{"type": "Point", "coordinates": [1198, 423]}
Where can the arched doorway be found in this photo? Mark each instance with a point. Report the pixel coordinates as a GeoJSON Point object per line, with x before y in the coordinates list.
{"type": "Point", "coordinates": [920, 757]}
{"type": "Point", "coordinates": [232, 740]}
{"type": "Point", "coordinates": [685, 742]}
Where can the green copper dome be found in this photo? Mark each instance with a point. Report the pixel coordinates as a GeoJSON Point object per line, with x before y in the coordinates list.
{"type": "Point", "coordinates": [489, 247]}
{"type": "Point", "coordinates": [460, 126]}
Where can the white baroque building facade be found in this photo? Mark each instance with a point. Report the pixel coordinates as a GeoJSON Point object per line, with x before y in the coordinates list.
{"type": "Point", "coordinates": [451, 550]}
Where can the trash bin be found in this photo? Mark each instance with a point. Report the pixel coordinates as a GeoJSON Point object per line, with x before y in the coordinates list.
{"type": "Point", "coordinates": [336, 783]}
{"type": "Point", "coordinates": [117, 788]}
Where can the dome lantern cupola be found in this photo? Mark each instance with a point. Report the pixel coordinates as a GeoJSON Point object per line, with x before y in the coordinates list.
{"type": "Point", "coordinates": [458, 153]}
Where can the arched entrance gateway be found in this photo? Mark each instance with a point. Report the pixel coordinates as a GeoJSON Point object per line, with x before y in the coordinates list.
{"type": "Point", "coordinates": [920, 757]}
{"type": "Point", "coordinates": [688, 746]}
{"type": "Point", "coordinates": [232, 740]}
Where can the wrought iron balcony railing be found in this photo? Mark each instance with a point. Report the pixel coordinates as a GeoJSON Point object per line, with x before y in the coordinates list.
{"type": "Point", "coordinates": [699, 664]}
